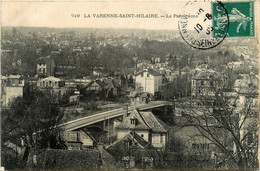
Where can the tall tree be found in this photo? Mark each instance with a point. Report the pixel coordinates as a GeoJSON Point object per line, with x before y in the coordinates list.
{"type": "Point", "coordinates": [34, 118]}
{"type": "Point", "coordinates": [230, 121]}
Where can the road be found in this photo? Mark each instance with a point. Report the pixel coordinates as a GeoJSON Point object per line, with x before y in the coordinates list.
{"type": "Point", "coordinates": [92, 119]}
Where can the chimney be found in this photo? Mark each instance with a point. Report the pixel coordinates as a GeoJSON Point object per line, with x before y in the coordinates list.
{"type": "Point", "coordinates": [125, 110]}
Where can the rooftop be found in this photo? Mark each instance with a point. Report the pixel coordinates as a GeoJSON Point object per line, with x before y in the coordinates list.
{"type": "Point", "coordinates": [151, 71]}
{"type": "Point", "coordinates": [145, 121]}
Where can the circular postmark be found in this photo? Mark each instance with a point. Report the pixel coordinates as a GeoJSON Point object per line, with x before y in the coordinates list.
{"type": "Point", "coordinates": [204, 25]}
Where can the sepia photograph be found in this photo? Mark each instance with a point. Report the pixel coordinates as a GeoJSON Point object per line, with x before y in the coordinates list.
{"type": "Point", "coordinates": [130, 85]}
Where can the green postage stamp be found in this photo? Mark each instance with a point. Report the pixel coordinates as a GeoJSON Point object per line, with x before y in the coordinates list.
{"type": "Point", "coordinates": [240, 19]}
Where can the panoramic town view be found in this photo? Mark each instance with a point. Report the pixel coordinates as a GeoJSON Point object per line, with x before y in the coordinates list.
{"type": "Point", "coordinates": [115, 99]}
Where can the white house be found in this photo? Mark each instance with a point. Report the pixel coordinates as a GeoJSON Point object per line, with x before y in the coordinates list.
{"type": "Point", "coordinates": [56, 85]}
{"type": "Point", "coordinates": [147, 126]}
{"type": "Point", "coordinates": [150, 81]}
{"type": "Point", "coordinates": [11, 87]}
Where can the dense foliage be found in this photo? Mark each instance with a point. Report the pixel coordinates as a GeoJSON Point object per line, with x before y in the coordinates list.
{"type": "Point", "coordinates": [33, 118]}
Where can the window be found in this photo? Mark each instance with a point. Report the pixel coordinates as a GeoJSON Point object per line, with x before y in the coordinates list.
{"type": "Point", "coordinates": [40, 64]}
{"type": "Point", "coordinates": [142, 135]}
{"type": "Point", "coordinates": [43, 70]}
{"type": "Point", "coordinates": [142, 74]}
{"type": "Point", "coordinates": [133, 121]}
{"type": "Point", "coordinates": [200, 146]}
{"type": "Point", "coordinates": [148, 75]}
{"type": "Point", "coordinates": [161, 138]}
{"type": "Point", "coordinates": [202, 82]}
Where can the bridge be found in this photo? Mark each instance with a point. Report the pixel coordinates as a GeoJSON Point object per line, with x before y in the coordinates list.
{"type": "Point", "coordinates": [92, 119]}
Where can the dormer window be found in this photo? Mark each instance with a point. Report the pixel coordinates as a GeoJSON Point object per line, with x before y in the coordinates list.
{"type": "Point", "coordinates": [133, 121]}
{"type": "Point", "coordinates": [142, 74]}
{"type": "Point", "coordinates": [148, 75]}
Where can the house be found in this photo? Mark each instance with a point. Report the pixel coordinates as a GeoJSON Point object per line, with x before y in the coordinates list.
{"type": "Point", "coordinates": [45, 66]}
{"type": "Point", "coordinates": [50, 82]}
{"type": "Point", "coordinates": [247, 89]}
{"type": "Point", "coordinates": [197, 145]}
{"type": "Point", "coordinates": [53, 84]}
{"type": "Point", "coordinates": [150, 81]}
{"type": "Point", "coordinates": [204, 81]}
{"type": "Point", "coordinates": [11, 87]}
{"type": "Point", "coordinates": [145, 97]}
{"type": "Point", "coordinates": [96, 86]}
{"type": "Point", "coordinates": [134, 97]}
{"type": "Point", "coordinates": [147, 126]}
{"type": "Point", "coordinates": [112, 87]}
{"type": "Point", "coordinates": [130, 139]}
{"type": "Point", "coordinates": [96, 89]}
{"type": "Point", "coordinates": [123, 149]}
{"type": "Point", "coordinates": [78, 140]}
{"type": "Point", "coordinates": [74, 83]}
{"type": "Point", "coordinates": [139, 97]}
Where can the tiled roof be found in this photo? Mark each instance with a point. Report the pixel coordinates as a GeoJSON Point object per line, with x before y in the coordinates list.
{"type": "Point", "coordinates": [101, 83]}
{"type": "Point", "coordinates": [43, 59]}
{"type": "Point", "coordinates": [132, 136]}
{"type": "Point", "coordinates": [145, 121]}
{"type": "Point", "coordinates": [151, 71]}
{"type": "Point", "coordinates": [154, 123]}
{"type": "Point", "coordinates": [140, 140]}
{"type": "Point", "coordinates": [70, 136]}
{"type": "Point", "coordinates": [185, 69]}
{"type": "Point", "coordinates": [126, 124]}
{"type": "Point", "coordinates": [51, 78]}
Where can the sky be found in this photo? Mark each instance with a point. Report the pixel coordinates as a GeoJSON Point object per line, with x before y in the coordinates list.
{"type": "Point", "coordinates": [59, 14]}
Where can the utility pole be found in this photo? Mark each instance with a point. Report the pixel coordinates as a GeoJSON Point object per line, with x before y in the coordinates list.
{"type": "Point", "coordinates": [108, 124]}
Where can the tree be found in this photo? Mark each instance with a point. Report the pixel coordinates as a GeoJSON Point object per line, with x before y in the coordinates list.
{"type": "Point", "coordinates": [33, 118]}
{"type": "Point", "coordinates": [229, 121]}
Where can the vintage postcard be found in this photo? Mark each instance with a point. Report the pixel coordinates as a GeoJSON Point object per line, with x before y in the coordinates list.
{"type": "Point", "coordinates": [136, 85]}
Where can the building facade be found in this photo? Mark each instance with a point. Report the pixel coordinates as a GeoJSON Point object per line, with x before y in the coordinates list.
{"type": "Point", "coordinates": [52, 84]}
{"type": "Point", "coordinates": [45, 66]}
{"type": "Point", "coordinates": [147, 126]}
{"type": "Point", "coordinates": [149, 80]}
{"type": "Point", "coordinates": [205, 81]}
{"type": "Point", "coordinates": [11, 87]}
